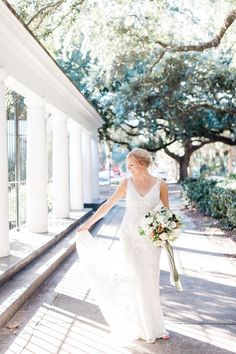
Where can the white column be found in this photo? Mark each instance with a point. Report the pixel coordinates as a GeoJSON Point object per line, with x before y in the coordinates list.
{"type": "Point", "coordinates": [60, 166]}
{"type": "Point", "coordinates": [76, 177]}
{"type": "Point", "coordinates": [87, 167]}
{"type": "Point", "coordinates": [37, 166]}
{"type": "Point", "coordinates": [4, 218]}
{"type": "Point", "coordinates": [95, 166]}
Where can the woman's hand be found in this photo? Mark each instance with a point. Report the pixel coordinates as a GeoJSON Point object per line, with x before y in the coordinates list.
{"type": "Point", "coordinates": [105, 207]}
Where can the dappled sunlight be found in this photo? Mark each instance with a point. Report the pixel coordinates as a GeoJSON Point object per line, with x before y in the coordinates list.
{"type": "Point", "coordinates": [211, 231]}
{"type": "Point", "coordinates": [211, 276]}
{"type": "Point", "coordinates": [216, 335]}
{"type": "Point", "coordinates": [202, 316]}
{"type": "Point", "coordinates": [193, 240]}
{"type": "Point", "coordinates": [73, 323]}
{"type": "Point", "coordinates": [173, 192]}
{"type": "Point", "coordinates": [201, 252]}
{"type": "Point", "coordinates": [107, 230]}
{"type": "Point", "coordinates": [63, 331]}
{"type": "Point", "coordinates": [205, 232]}
{"type": "Point", "coordinates": [10, 299]}
{"type": "Point", "coordinates": [71, 287]}
{"type": "Point", "coordinates": [204, 301]}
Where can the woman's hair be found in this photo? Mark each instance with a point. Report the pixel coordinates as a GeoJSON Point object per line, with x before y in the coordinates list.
{"type": "Point", "coordinates": [141, 155]}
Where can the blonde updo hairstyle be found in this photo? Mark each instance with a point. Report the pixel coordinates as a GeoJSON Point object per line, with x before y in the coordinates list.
{"type": "Point", "coordinates": [142, 156]}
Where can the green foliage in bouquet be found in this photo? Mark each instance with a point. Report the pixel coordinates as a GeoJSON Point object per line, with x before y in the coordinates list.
{"type": "Point", "coordinates": [160, 225]}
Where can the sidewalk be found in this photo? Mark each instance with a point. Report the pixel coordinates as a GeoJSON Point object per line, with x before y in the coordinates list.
{"type": "Point", "coordinates": [26, 246]}
{"type": "Point", "coordinates": [64, 318]}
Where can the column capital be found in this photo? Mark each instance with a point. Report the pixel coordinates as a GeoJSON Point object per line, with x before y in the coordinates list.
{"type": "Point", "coordinates": [95, 135]}
{"type": "Point", "coordinates": [58, 115]}
{"type": "Point", "coordinates": [3, 75]}
{"type": "Point", "coordinates": [61, 118]}
{"type": "Point", "coordinates": [72, 124]}
{"type": "Point", "coordinates": [34, 101]}
{"type": "Point", "coordinates": [86, 132]}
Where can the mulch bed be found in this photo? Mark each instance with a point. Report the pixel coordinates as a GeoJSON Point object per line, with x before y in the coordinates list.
{"type": "Point", "coordinates": [224, 239]}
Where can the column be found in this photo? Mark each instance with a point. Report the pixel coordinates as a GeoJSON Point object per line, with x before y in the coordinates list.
{"type": "Point", "coordinates": [60, 166]}
{"type": "Point", "coordinates": [4, 218]}
{"type": "Point", "coordinates": [95, 166]}
{"type": "Point", "coordinates": [87, 167]}
{"type": "Point", "coordinates": [37, 166]}
{"type": "Point", "coordinates": [76, 177]}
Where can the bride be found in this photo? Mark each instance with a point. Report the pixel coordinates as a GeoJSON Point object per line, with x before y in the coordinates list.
{"type": "Point", "coordinates": [126, 281]}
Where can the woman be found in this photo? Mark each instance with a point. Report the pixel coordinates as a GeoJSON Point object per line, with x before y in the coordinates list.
{"type": "Point", "coordinates": [127, 283]}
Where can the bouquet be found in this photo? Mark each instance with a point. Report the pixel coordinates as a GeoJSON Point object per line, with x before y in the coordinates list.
{"type": "Point", "coordinates": [162, 227]}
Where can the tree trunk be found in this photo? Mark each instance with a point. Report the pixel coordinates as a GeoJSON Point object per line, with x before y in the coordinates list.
{"type": "Point", "coordinates": [184, 161]}
{"type": "Point", "coordinates": [183, 169]}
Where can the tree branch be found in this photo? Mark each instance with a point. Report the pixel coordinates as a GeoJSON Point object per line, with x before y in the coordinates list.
{"type": "Point", "coordinates": [126, 143]}
{"type": "Point", "coordinates": [196, 47]}
{"type": "Point", "coordinates": [73, 7]}
{"type": "Point", "coordinates": [48, 8]}
{"type": "Point", "coordinates": [171, 154]}
{"type": "Point", "coordinates": [130, 133]}
{"type": "Point", "coordinates": [197, 147]}
{"type": "Point", "coordinates": [157, 148]}
{"type": "Point", "coordinates": [209, 106]}
{"type": "Point", "coordinates": [210, 44]}
{"type": "Point", "coordinates": [160, 56]}
{"type": "Point", "coordinates": [222, 139]}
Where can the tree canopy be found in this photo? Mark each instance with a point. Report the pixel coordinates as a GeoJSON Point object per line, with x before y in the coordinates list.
{"type": "Point", "coordinates": [161, 73]}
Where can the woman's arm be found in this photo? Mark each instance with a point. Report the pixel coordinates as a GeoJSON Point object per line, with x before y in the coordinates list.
{"type": "Point", "coordinates": [105, 207]}
{"type": "Point", "coordinates": [164, 194]}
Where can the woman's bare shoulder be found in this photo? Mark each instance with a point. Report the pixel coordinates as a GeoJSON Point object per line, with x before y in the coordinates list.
{"type": "Point", "coordinates": [163, 184]}
{"type": "Point", "coordinates": [162, 181]}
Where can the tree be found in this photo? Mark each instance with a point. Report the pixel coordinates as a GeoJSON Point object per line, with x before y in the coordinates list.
{"type": "Point", "coordinates": [193, 106]}
{"type": "Point", "coordinates": [156, 83]}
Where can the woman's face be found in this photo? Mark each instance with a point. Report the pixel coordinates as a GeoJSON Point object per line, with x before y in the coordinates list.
{"type": "Point", "coordinates": [134, 166]}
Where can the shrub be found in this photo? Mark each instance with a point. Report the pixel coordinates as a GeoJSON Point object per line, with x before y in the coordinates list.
{"type": "Point", "coordinates": [215, 197]}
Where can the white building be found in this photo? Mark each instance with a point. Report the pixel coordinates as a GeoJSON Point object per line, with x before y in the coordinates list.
{"type": "Point", "coordinates": [27, 68]}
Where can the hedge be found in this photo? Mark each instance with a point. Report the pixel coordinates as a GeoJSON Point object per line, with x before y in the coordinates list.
{"type": "Point", "coordinates": [215, 197]}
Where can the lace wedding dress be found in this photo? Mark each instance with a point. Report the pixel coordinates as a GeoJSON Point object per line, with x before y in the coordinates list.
{"type": "Point", "coordinates": [126, 279]}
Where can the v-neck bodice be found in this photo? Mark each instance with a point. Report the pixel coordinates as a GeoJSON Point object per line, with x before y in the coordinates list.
{"type": "Point", "coordinates": [148, 191]}
{"type": "Point", "coordinates": [138, 205]}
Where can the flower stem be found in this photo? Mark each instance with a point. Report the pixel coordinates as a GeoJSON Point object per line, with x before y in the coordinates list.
{"type": "Point", "coordinates": [169, 249]}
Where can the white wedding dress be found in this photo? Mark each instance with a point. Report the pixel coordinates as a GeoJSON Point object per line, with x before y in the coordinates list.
{"type": "Point", "coordinates": [126, 279]}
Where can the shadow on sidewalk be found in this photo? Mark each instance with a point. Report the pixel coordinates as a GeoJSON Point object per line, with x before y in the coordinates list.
{"type": "Point", "coordinates": [72, 322]}
{"type": "Point", "coordinates": [63, 316]}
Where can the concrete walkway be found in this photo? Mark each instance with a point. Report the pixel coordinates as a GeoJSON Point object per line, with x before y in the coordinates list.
{"type": "Point", "coordinates": [63, 316]}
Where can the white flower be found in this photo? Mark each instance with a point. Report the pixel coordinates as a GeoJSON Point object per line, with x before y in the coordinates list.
{"type": "Point", "coordinates": [172, 237]}
{"type": "Point", "coordinates": [160, 219]}
{"type": "Point", "coordinates": [163, 236]}
{"type": "Point", "coordinates": [159, 243]}
{"type": "Point", "coordinates": [155, 221]}
{"type": "Point", "coordinates": [173, 224]}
